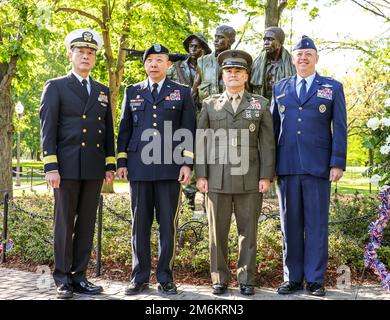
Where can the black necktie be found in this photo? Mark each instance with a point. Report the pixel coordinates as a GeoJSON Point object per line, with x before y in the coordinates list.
{"type": "Point", "coordinates": [85, 90]}
{"type": "Point", "coordinates": [154, 91]}
{"type": "Point", "coordinates": [302, 92]}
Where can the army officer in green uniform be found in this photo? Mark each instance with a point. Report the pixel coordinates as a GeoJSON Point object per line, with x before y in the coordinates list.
{"type": "Point", "coordinates": [243, 123]}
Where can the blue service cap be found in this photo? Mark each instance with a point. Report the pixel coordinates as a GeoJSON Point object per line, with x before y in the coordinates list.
{"type": "Point", "coordinates": [155, 49]}
{"type": "Point", "coordinates": [305, 43]}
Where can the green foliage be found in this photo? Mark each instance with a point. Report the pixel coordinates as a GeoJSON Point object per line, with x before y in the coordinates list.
{"type": "Point", "coordinates": [347, 240]}
{"type": "Point", "coordinates": [32, 236]}
{"type": "Point", "coordinates": [269, 243]}
{"type": "Point", "coordinates": [378, 140]}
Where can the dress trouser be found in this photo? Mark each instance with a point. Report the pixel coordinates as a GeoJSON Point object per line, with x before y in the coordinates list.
{"type": "Point", "coordinates": [75, 206]}
{"type": "Point", "coordinates": [219, 211]}
{"type": "Point", "coordinates": [304, 212]}
{"type": "Point", "coordinates": [163, 198]}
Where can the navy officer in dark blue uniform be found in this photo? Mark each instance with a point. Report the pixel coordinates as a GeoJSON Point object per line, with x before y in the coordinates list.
{"type": "Point", "coordinates": [78, 147]}
{"type": "Point", "coordinates": [155, 153]}
{"type": "Point", "coordinates": [311, 133]}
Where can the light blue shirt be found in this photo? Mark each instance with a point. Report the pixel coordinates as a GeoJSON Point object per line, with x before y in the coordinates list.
{"type": "Point", "coordinates": [160, 84]}
{"type": "Point", "coordinates": [309, 81]}
{"type": "Point", "coordinates": [80, 78]}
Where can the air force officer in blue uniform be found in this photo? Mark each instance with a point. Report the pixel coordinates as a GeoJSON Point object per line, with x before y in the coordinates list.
{"type": "Point", "coordinates": [311, 133]}
{"type": "Point", "coordinates": [155, 186]}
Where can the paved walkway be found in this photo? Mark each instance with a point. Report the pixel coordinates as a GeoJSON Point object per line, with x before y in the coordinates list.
{"type": "Point", "coordinates": [21, 285]}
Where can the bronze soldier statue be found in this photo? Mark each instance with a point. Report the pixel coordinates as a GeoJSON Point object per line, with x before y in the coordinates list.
{"type": "Point", "coordinates": [273, 64]}
{"type": "Point", "coordinates": [184, 71]}
{"type": "Point", "coordinates": [208, 79]}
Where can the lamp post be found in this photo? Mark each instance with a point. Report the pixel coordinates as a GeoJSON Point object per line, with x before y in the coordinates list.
{"type": "Point", "coordinates": [19, 111]}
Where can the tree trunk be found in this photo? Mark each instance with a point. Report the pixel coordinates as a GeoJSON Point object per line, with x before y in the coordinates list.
{"type": "Point", "coordinates": [115, 73]}
{"type": "Point", "coordinates": [273, 12]}
{"type": "Point", "coordinates": [7, 72]}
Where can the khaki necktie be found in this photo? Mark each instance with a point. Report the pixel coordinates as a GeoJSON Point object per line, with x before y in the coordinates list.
{"type": "Point", "coordinates": [235, 101]}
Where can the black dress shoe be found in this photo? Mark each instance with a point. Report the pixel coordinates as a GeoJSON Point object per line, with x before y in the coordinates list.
{"type": "Point", "coordinates": [219, 288]}
{"type": "Point", "coordinates": [64, 291]}
{"type": "Point", "coordinates": [136, 287]}
{"type": "Point", "coordinates": [247, 290]}
{"type": "Point", "coordinates": [316, 289]}
{"type": "Point", "coordinates": [167, 288]}
{"type": "Point", "coordinates": [288, 287]}
{"type": "Point", "coordinates": [87, 287]}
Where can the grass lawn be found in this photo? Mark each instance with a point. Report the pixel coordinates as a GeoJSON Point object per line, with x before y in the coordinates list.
{"type": "Point", "coordinates": [29, 164]}
{"type": "Point", "coordinates": [352, 181]}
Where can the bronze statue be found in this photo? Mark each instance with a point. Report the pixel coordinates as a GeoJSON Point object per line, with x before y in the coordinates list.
{"type": "Point", "coordinates": [273, 64]}
{"type": "Point", "coordinates": [184, 71]}
{"type": "Point", "coordinates": [208, 79]}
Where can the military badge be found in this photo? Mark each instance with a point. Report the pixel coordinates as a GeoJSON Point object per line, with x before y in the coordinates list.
{"type": "Point", "coordinates": [280, 96]}
{"type": "Point", "coordinates": [282, 109]}
{"type": "Point", "coordinates": [252, 127]}
{"type": "Point", "coordinates": [325, 93]}
{"type": "Point", "coordinates": [87, 36]}
{"type": "Point", "coordinates": [135, 118]}
{"type": "Point", "coordinates": [103, 97]}
{"type": "Point", "coordinates": [157, 47]}
{"type": "Point", "coordinates": [175, 95]}
{"type": "Point", "coordinates": [257, 114]}
{"type": "Point", "coordinates": [322, 108]}
{"type": "Point", "coordinates": [247, 114]}
{"type": "Point", "coordinates": [327, 85]}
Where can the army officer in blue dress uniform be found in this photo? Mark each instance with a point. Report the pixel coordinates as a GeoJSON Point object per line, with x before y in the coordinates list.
{"type": "Point", "coordinates": [311, 133]}
{"type": "Point", "coordinates": [156, 175]}
{"type": "Point", "coordinates": [78, 147]}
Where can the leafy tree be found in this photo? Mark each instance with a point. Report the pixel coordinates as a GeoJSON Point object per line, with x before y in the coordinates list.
{"type": "Point", "coordinates": [21, 37]}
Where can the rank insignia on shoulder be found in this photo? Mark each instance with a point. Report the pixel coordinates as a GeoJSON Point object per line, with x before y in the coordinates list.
{"type": "Point", "coordinates": [103, 97]}
{"type": "Point", "coordinates": [325, 93]}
